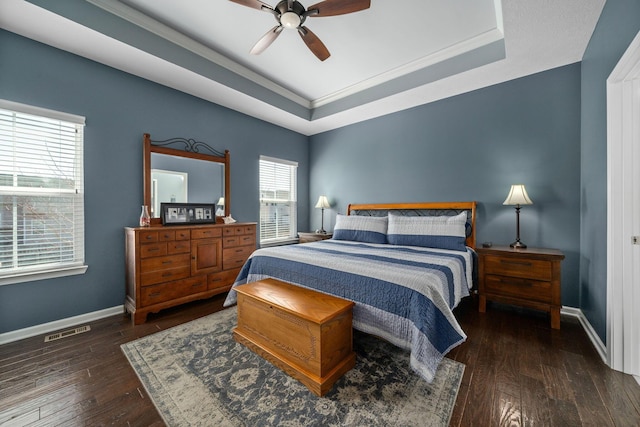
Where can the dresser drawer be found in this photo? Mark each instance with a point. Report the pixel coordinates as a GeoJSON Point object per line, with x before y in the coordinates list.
{"type": "Point", "coordinates": [241, 240]}
{"type": "Point", "coordinates": [153, 250]}
{"type": "Point", "coordinates": [222, 279]}
{"type": "Point", "coordinates": [178, 247]}
{"type": "Point", "coordinates": [164, 262]}
{"type": "Point", "coordinates": [517, 267]}
{"type": "Point", "coordinates": [238, 230]}
{"type": "Point", "coordinates": [161, 276]}
{"type": "Point", "coordinates": [148, 236]}
{"type": "Point", "coordinates": [534, 290]}
{"type": "Point", "coordinates": [166, 235]}
{"type": "Point", "coordinates": [248, 240]}
{"type": "Point", "coordinates": [183, 234]}
{"type": "Point", "coordinates": [205, 233]}
{"type": "Point", "coordinates": [235, 257]}
{"type": "Point", "coordinates": [168, 291]}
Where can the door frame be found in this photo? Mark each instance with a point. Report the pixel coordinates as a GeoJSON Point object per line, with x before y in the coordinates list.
{"type": "Point", "coordinates": [623, 212]}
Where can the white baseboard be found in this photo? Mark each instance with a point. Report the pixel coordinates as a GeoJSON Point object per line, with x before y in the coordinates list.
{"type": "Point", "coordinates": [44, 328]}
{"type": "Point", "coordinates": [591, 333]}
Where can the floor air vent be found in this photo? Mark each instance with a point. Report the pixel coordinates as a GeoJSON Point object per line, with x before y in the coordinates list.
{"type": "Point", "coordinates": [68, 333]}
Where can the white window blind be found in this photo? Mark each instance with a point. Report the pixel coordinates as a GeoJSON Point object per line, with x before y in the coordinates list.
{"type": "Point", "coordinates": [278, 200]}
{"type": "Point", "coordinates": [41, 190]}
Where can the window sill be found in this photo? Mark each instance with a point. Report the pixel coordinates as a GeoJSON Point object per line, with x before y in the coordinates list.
{"type": "Point", "coordinates": [42, 275]}
{"type": "Point", "coordinates": [291, 241]}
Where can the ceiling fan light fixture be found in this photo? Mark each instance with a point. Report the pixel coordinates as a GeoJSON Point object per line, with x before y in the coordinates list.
{"type": "Point", "coordinates": [290, 20]}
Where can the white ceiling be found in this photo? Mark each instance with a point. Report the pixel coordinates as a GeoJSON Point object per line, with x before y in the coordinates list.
{"type": "Point", "coordinates": [393, 56]}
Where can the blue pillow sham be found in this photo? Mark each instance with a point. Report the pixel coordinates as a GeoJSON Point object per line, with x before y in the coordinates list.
{"type": "Point", "coordinates": [444, 232]}
{"type": "Point", "coordinates": [367, 229]}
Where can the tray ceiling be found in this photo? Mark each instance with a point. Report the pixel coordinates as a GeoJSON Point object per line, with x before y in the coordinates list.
{"type": "Point", "coordinates": [392, 56]}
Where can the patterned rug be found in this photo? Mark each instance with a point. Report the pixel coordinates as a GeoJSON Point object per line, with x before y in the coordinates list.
{"type": "Point", "coordinates": [197, 375]}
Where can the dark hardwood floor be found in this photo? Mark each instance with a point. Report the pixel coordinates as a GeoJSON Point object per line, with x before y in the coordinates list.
{"type": "Point", "coordinates": [518, 372]}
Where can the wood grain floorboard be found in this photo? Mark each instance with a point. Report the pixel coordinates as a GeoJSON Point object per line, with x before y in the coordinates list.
{"type": "Point", "coordinates": [518, 372]}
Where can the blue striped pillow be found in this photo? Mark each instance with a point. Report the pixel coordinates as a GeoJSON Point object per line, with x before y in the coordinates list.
{"type": "Point", "coordinates": [368, 229]}
{"type": "Point", "coordinates": [443, 232]}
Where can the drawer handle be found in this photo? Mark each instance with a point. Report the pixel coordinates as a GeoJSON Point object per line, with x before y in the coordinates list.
{"type": "Point", "coordinates": [166, 236]}
{"type": "Point", "coordinates": [217, 280]}
{"type": "Point", "coordinates": [525, 263]}
{"type": "Point", "coordinates": [167, 274]}
{"type": "Point", "coordinates": [154, 249]}
{"type": "Point", "coordinates": [195, 285]}
{"type": "Point", "coordinates": [516, 282]}
{"type": "Point", "coordinates": [167, 262]}
{"type": "Point", "coordinates": [154, 294]}
{"type": "Point", "coordinates": [239, 250]}
{"type": "Point", "coordinates": [149, 237]}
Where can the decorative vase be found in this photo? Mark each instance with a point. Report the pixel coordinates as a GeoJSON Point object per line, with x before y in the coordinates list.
{"type": "Point", "coordinates": [145, 219]}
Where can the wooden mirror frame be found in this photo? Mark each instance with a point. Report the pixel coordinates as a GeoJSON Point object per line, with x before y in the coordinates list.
{"type": "Point", "coordinates": [192, 146]}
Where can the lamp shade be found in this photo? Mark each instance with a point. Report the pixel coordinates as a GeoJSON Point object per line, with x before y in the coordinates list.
{"type": "Point", "coordinates": [220, 201]}
{"type": "Point", "coordinates": [323, 203]}
{"type": "Point", "coordinates": [518, 196]}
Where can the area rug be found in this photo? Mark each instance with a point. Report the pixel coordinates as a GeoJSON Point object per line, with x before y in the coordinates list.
{"type": "Point", "coordinates": [197, 375]}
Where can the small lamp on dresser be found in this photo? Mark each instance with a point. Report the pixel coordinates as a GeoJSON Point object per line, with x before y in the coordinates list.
{"type": "Point", "coordinates": [220, 210]}
{"type": "Point", "coordinates": [518, 196]}
{"type": "Point", "coordinates": [322, 204]}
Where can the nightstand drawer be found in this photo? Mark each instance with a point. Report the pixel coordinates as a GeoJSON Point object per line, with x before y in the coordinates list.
{"type": "Point", "coordinates": [517, 267]}
{"type": "Point", "coordinates": [534, 290]}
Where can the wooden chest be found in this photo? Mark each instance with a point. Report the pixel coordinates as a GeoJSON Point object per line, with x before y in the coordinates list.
{"type": "Point", "coordinates": [305, 333]}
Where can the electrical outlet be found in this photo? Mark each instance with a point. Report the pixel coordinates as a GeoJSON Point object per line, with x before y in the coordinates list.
{"type": "Point", "coordinates": [635, 240]}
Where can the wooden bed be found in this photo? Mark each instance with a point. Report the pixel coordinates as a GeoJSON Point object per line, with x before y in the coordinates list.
{"type": "Point", "coordinates": [421, 208]}
{"type": "Point", "coordinates": [403, 293]}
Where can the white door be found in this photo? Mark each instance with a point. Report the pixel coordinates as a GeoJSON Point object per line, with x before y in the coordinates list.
{"type": "Point", "coordinates": [623, 213]}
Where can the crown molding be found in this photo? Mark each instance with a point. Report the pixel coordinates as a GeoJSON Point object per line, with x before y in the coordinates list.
{"type": "Point", "coordinates": [147, 23]}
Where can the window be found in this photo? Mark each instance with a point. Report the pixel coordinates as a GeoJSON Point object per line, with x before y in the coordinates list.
{"type": "Point", "coordinates": [278, 200]}
{"type": "Point", "coordinates": [41, 193]}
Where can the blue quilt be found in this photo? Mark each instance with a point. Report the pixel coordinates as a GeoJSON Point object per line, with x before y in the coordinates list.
{"type": "Point", "coordinates": [404, 294]}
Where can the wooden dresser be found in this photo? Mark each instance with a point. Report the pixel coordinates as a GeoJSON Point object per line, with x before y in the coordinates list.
{"type": "Point", "coordinates": [525, 277]}
{"type": "Point", "coordinates": [172, 265]}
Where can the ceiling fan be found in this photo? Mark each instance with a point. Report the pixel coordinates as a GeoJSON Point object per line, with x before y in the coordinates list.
{"type": "Point", "coordinates": [291, 14]}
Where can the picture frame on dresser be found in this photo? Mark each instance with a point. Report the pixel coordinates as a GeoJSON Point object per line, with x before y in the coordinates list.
{"type": "Point", "coordinates": [187, 213]}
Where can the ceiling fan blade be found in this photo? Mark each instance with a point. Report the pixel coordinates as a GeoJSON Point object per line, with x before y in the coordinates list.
{"type": "Point", "coordinates": [255, 4]}
{"type": "Point", "coordinates": [313, 43]}
{"type": "Point", "coordinates": [338, 7]}
{"type": "Point", "coordinates": [266, 40]}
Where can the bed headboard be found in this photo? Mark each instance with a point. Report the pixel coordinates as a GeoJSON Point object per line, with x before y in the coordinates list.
{"type": "Point", "coordinates": [421, 209]}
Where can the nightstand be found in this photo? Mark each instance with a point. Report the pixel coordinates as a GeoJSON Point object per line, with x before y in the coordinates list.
{"type": "Point", "coordinates": [313, 237]}
{"type": "Point", "coordinates": [524, 277]}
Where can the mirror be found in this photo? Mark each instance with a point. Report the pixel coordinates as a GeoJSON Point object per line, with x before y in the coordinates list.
{"type": "Point", "coordinates": [183, 175]}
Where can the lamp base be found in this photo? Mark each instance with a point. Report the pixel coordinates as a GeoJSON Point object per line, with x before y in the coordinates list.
{"type": "Point", "coordinates": [518, 245]}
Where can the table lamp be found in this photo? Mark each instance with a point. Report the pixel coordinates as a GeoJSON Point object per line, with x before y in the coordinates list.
{"type": "Point", "coordinates": [323, 204]}
{"type": "Point", "coordinates": [518, 196]}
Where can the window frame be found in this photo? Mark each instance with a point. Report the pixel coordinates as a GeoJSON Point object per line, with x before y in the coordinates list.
{"type": "Point", "coordinates": [292, 200]}
{"type": "Point", "coordinates": [78, 265]}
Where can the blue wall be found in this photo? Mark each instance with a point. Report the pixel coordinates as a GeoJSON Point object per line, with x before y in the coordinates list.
{"type": "Point", "coordinates": [618, 25]}
{"type": "Point", "coordinates": [547, 131]}
{"type": "Point", "coordinates": [119, 108]}
{"type": "Point", "coordinates": [471, 147]}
